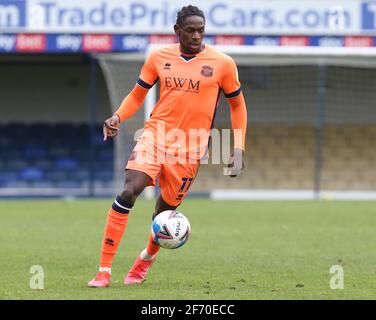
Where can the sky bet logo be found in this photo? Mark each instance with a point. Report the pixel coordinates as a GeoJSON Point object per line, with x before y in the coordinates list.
{"type": "Point", "coordinates": [7, 42]}
{"type": "Point", "coordinates": [369, 15]}
{"type": "Point", "coordinates": [12, 13]}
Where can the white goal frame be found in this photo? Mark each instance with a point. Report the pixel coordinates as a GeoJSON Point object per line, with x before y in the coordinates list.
{"type": "Point", "coordinates": [274, 56]}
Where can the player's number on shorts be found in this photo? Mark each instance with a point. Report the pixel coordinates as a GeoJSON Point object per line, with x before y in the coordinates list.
{"type": "Point", "coordinates": [184, 187]}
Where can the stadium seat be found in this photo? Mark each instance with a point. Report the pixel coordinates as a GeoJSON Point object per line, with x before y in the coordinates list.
{"type": "Point", "coordinates": [16, 184]}
{"type": "Point", "coordinates": [9, 155]}
{"type": "Point", "coordinates": [41, 155]}
{"type": "Point", "coordinates": [44, 164]}
{"type": "Point", "coordinates": [15, 130]}
{"type": "Point", "coordinates": [16, 165]}
{"type": "Point", "coordinates": [46, 155]}
{"type": "Point", "coordinates": [31, 174]}
{"type": "Point", "coordinates": [55, 175]}
{"type": "Point", "coordinates": [80, 175]}
{"type": "Point", "coordinates": [68, 184]}
{"type": "Point", "coordinates": [59, 151]}
{"type": "Point", "coordinates": [105, 155]}
{"type": "Point", "coordinates": [66, 163]}
{"type": "Point", "coordinates": [35, 152]}
{"type": "Point", "coordinates": [42, 184]}
{"type": "Point", "coordinates": [8, 176]}
{"type": "Point", "coordinates": [5, 143]}
{"type": "Point", "coordinates": [104, 175]}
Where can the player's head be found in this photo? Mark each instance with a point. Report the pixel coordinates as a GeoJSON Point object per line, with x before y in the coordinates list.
{"type": "Point", "coordinates": [190, 29]}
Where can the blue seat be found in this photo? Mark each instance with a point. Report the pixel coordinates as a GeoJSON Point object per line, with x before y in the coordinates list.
{"type": "Point", "coordinates": [68, 184]}
{"type": "Point", "coordinates": [104, 175]}
{"type": "Point", "coordinates": [20, 142]}
{"type": "Point", "coordinates": [80, 175]}
{"type": "Point", "coordinates": [17, 164]}
{"type": "Point", "coordinates": [59, 151]}
{"type": "Point", "coordinates": [76, 143]}
{"type": "Point", "coordinates": [81, 154]}
{"type": "Point", "coordinates": [7, 177]}
{"type": "Point", "coordinates": [66, 164]}
{"type": "Point", "coordinates": [17, 184]}
{"type": "Point", "coordinates": [42, 155]}
{"type": "Point", "coordinates": [15, 129]}
{"type": "Point", "coordinates": [64, 128]}
{"type": "Point", "coordinates": [43, 184]}
{"type": "Point", "coordinates": [10, 155]}
{"type": "Point", "coordinates": [101, 165]}
{"type": "Point", "coordinates": [35, 152]}
{"type": "Point", "coordinates": [5, 143]}
{"type": "Point", "coordinates": [56, 175]}
{"type": "Point", "coordinates": [31, 174]}
{"type": "Point", "coordinates": [43, 164]}
{"type": "Point", "coordinates": [105, 155]}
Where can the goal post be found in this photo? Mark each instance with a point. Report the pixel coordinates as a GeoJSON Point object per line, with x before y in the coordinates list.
{"type": "Point", "coordinates": [307, 107]}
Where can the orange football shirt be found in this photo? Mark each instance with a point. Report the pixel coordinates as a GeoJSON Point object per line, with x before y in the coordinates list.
{"type": "Point", "coordinates": [190, 87]}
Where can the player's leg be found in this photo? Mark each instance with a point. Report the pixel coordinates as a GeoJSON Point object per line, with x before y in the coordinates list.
{"type": "Point", "coordinates": [137, 274]}
{"type": "Point", "coordinates": [161, 206]}
{"type": "Point", "coordinates": [175, 182]}
{"type": "Point", "coordinates": [152, 248]}
{"type": "Point", "coordinates": [117, 219]}
{"type": "Point", "coordinates": [116, 223]}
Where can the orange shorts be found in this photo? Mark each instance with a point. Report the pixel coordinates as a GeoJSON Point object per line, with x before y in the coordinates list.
{"type": "Point", "coordinates": [174, 179]}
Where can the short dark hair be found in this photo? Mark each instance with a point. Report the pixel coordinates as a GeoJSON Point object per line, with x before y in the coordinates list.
{"type": "Point", "coordinates": [188, 11]}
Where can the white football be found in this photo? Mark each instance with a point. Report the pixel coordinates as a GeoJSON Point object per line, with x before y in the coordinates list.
{"type": "Point", "coordinates": [170, 229]}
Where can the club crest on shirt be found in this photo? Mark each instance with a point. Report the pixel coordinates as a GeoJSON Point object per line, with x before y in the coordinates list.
{"type": "Point", "coordinates": [207, 71]}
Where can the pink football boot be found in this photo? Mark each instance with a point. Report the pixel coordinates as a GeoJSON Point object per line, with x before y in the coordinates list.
{"type": "Point", "coordinates": [101, 280]}
{"type": "Point", "coordinates": [139, 270]}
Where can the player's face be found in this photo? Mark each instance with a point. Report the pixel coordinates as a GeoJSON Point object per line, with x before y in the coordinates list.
{"type": "Point", "coordinates": [191, 34]}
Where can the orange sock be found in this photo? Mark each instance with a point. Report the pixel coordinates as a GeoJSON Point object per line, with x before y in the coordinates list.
{"type": "Point", "coordinates": [152, 248]}
{"type": "Point", "coordinates": [117, 221]}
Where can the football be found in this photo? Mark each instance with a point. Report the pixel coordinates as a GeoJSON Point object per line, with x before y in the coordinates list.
{"type": "Point", "coordinates": [170, 229]}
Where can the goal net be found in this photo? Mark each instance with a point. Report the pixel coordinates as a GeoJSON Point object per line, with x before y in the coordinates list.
{"type": "Point", "coordinates": [311, 120]}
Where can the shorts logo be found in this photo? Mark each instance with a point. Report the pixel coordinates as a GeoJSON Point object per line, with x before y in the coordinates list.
{"type": "Point", "coordinates": [207, 71]}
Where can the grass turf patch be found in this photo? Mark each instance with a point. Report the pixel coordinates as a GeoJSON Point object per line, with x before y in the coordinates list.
{"type": "Point", "coordinates": [237, 250]}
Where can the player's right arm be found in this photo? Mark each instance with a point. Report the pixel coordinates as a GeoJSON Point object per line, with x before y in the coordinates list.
{"type": "Point", "coordinates": [133, 101]}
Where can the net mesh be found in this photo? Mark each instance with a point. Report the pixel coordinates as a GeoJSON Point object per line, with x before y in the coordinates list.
{"type": "Point", "coordinates": [311, 122]}
{"type": "Point", "coordinates": [121, 75]}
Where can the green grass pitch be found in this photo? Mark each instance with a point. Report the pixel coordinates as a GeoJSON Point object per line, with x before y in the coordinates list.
{"type": "Point", "coordinates": [238, 250]}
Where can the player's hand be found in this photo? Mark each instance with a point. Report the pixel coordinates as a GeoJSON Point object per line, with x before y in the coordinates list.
{"type": "Point", "coordinates": [235, 163]}
{"type": "Point", "coordinates": [111, 127]}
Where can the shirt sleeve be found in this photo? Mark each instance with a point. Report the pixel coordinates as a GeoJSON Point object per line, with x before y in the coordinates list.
{"type": "Point", "coordinates": [149, 75]}
{"type": "Point", "coordinates": [230, 80]}
{"type": "Point", "coordinates": [131, 103]}
{"type": "Point", "coordinates": [239, 120]}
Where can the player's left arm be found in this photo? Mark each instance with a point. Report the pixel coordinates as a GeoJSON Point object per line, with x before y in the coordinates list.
{"type": "Point", "coordinates": [239, 126]}
{"type": "Point", "coordinates": [235, 98]}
